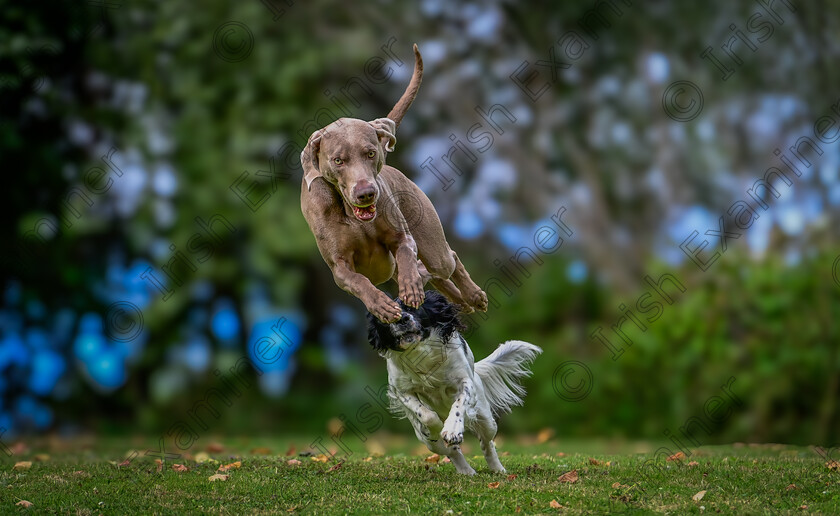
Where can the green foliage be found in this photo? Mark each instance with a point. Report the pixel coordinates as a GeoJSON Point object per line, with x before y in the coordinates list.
{"type": "Point", "coordinates": [770, 326]}
{"type": "Point", "coordinates": [767, 325]}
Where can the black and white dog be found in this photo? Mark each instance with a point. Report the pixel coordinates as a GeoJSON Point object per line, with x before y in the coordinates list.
{"type": "Point", "coordinates": [436, 384]}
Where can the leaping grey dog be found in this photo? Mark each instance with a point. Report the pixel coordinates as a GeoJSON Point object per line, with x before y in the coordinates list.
{"type": "Point", "coordinates": [358, 207]}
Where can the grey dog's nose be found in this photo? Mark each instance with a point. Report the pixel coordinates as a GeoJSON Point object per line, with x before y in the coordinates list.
{"type": "Point", "coordinates": [404, 318]}
{"type": "Point", "coordinates": [365, 194]}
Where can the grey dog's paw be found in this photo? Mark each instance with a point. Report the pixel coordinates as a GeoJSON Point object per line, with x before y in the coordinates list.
{"type": "Point", "coordinates": [411, 291]}
{"type": "Point", "coordinates": [479, 300]}
{"type": "Point", "coordinates": [384, 308]}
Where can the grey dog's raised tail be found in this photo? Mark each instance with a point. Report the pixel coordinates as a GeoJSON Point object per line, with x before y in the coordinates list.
{"type": "Point", "coordinates": [410, 93]}
{"type": "Point", "coordinates": [501, 371]}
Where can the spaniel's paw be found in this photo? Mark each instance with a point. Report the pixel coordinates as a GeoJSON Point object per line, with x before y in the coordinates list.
{"type": "Point", "coordinates": [452, 436]}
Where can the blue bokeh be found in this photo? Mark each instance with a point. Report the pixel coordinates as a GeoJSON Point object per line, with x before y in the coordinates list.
{"type": "Point", "coordinates": [468, 225]}
{"type": "Point", "coordinates": [225, 323]}
{"type": "Point", "coordinates": [47, 368]}
{"type": "Point", "coordinates": [275, 350]}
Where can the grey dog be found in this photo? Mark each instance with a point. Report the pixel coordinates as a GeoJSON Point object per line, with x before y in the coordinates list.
{"type": "Point", "coordinates": [358, 208]}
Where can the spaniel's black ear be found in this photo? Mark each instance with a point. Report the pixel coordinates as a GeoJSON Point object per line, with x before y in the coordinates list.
{"type": "Point", "coordinates": [379, 334]}
{"type": "Point", "coordinates": [442, 314]}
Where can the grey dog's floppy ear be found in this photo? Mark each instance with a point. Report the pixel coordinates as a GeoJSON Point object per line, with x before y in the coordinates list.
{"type": "Point", "coordinates": [309, 158]}
{"type": "Point", "coordinates": [385, 129]}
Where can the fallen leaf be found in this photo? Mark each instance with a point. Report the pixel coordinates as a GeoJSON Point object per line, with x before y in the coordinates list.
{"type": "Point", "coordinates": [803, 507]}
{"type": "Point", "coordinates": [290, 451]}
{"type": "Point", "coordinates": [180, 468]}
{"type": "Point", "coordinates": [832, 465]}
{"type": "Point", "coordinates": [367, 459]}
{"type": "Point", "coordinates": [336, 467]}
{"type": "Point", "coordinates": [19, 448]}
{"type": "Point", "coordinates": [677, 456]}
{"type": "Point", "coordinates": [544, 435]}
{"type": "Point", "coordinates": [791, 486]}
{"type": "Point", "coordinates": [159, 464]}
{"type": "Point", "coordinates": [561, 454]}
{"type": "Point", "coordinates": [25, 503]}
{"type": "Point", "coordinates": [42, 457]}
{"type": "Point", "coordinates": [232, 465]}
{"type": "Point", "coordinates": [511, 477]}
{"type": "Point", "coordinates": [518, 509]}
{"type": "Point", "coordinates": [433, 458]}
{"type": "Point", "coordinates": [693, 463]}
{"type": "Point", "coordinates": [616, 485]}
{"type": "Point", "coordinates": [608, 463]}
{"type": "Point", "coordinates": [334, 426]}
{"type": "Point", "coordinates": [24, 464]}
{"type": "Point", "coordinates": [320, 458]}
{"type": "Point", "coordinates": [217, 476]}
{"type": "Point", "coordinates": [699, 496]}
{"type": "Point", "coordinates": [293, 462]}
{"type": "Point", "coordinates": [493, 485]}
{"type": "Point", "coordinates": [262, 450]}
{"type": "Point", "coordinates": [594, 462]}
{"type": "Point", "coordinates": [445, 460]}
{"type": "Point", "coordinates": [505, 453]}
{"type": "Point", "coordinates": [375, 448]}
{"type": "Point", "coordinates": [124, 463]}
{"type": "Point", "coordinates": [202, 457]}
{"type": "Point", "coordinates": [215, 448]}
{"type": "Point", "coordinates": [569, 477]}
{"type": "Point", "coordinates": [555, 505]}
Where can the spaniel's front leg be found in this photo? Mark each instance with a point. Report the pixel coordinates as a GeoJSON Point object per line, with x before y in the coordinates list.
{"type": "Point", "coordinates": [423, 414]}
{"type": "Point", "coordinates": [453, 427]}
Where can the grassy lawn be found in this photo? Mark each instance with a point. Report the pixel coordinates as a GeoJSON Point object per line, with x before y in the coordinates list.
{"type": "Point", "coordinates": [86, 477]}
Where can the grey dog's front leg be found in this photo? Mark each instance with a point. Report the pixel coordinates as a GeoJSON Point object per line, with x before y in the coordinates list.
{"type": "Point", "coordinates": [408, 276]}
{"type": "Point", "coordinates": [377, 302]}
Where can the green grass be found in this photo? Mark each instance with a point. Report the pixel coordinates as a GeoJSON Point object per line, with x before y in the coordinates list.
{"type": "Point", "coordinates": [87, 478]}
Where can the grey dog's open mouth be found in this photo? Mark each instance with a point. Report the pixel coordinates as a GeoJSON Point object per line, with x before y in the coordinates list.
{"type": "Point", "coordinates": [364, 213]}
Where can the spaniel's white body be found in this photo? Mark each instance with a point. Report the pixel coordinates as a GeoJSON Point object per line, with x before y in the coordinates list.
{"type": "Point", "coordinates": [439, 388]}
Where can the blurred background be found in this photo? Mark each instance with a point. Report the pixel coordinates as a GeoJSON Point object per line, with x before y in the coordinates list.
{"type": "Point", "coordinates": [143, 137]}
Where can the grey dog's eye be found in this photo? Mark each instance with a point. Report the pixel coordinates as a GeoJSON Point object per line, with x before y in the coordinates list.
{"type": "Point", "coordinates": [338, 161]}
{"type": "Point", "coordinates": [372, 154]}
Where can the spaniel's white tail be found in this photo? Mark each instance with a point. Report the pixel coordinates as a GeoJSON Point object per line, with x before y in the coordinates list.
{"type": "Point", "coordinates": [501, 372]}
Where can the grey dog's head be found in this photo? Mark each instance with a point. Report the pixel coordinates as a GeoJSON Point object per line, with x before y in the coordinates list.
{"type": "Point", "coordinates": [349, 153]}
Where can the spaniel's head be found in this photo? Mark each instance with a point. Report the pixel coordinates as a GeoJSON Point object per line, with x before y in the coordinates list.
{"type": "Point", "coordinates": [416, 324]}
